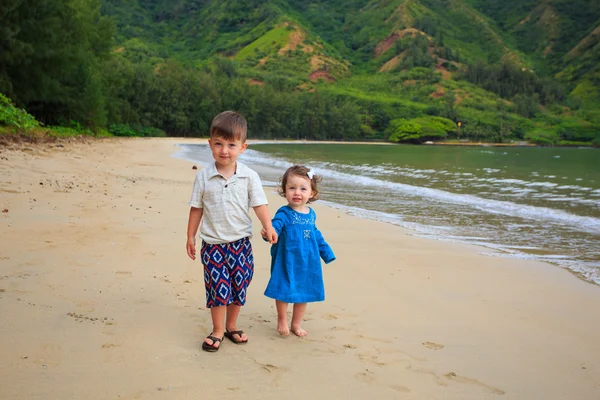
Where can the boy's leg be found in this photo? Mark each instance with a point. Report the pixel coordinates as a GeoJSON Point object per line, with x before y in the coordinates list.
{"type": "Point", "coordinates": [298, 314]}
{"type": "Point", "coordinates": [282, 321]}
{"type": "Point", "coordinates": [218, 320]}
{"type": "Point", "coordinates": [240, 261]}
{"type": "Point", "coordinates": [233, 311]}
{"type": "Point", "coordinates": [216, 282]}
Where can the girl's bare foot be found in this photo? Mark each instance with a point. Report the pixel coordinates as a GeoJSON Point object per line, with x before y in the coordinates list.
{"type": "Point", "coordinates": [282, 326]}
{"type": "Point", "coordinates": [298, 331]}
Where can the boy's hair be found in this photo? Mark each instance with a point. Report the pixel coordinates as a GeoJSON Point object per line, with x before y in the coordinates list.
{"type": "Point", "coordinates": [300, 170]}
{"type": "Point", "coordinates": [229, 125]}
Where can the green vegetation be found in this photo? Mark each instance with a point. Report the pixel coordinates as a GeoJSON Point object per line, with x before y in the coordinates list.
{"type": "Point", "coordinates": [398, 70]}
{"type": "Point", "coordinates": [16, 121]}
{"type": "Point", "coordinates": [11, 116]}
{"type": "Point", "coordinates": [420, 129]}
{"type": "Point", "coordinates": [276, 37]}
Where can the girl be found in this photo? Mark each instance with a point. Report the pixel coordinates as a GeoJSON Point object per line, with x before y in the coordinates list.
{"type": "Point", "coordinates": [296, 275]}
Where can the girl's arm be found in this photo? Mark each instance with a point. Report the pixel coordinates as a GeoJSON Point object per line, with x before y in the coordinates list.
{"type": "Point", "coordinates": [324, 249]}
{"type": "Point", "coordinates": [277, 222]}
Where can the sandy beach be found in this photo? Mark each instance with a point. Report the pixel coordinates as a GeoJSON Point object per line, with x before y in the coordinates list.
{"type": "Point", "coordinates": [98, 299]}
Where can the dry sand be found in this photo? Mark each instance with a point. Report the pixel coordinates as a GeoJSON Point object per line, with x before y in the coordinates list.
{"type": "Point", "coordinates": [98, 300]}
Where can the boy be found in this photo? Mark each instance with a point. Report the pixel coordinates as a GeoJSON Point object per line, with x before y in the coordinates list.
{"type": "Point", "coordinates": [222, 196]}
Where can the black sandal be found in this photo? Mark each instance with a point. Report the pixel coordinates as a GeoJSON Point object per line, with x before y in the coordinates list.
{"type": "Point", "coordinates": [229, 335]}
{"type": "Point", "coordinates": [211, 347]}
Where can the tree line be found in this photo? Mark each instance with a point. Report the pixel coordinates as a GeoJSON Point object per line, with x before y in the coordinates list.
{"type": "Point", "coordinates": [59, 61]}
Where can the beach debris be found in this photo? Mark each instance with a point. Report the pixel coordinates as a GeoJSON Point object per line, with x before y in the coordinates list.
{"type": "Point", "coordinates": [194, 167]}
{"type": "Point", "coordinates": [433, 346]}
{"type": "Point", "coordinates": [5, 210]}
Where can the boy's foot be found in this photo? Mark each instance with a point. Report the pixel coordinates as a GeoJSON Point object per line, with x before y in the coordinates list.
{"type": "Point", "coordinates": [237, 337]}
{"type": "Point", "coordinates": [212, 343]}
{"type": "Point", "coordinates": [298, 331]}
{"type": "Point", "coordinates": [282, 326]}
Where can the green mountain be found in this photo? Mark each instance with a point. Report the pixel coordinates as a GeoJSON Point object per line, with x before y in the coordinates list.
{"type": "Point", "coordinates": [561, 36]}
{"type": "Point", "coordinates": [404, 70]}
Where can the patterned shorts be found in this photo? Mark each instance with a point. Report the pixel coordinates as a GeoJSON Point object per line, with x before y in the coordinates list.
{"type": "Point", "coordinates": [228, 271]}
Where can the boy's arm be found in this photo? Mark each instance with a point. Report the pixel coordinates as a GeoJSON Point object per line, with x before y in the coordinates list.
{"type": "Point", "coordinates": [193, 224]}
{"type": "Point", "coordinates": [278, 222]}
{"type": "Point", "coordinates": [196, 212]}
{"type": "Point", "coordinates": [262, 212]}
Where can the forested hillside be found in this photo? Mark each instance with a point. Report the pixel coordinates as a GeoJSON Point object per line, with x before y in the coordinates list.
{"type": "Point", "coordinates": [398, 70]}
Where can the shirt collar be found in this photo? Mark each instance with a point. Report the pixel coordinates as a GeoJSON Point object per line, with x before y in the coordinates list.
{"type": "Point", "coordinates": [241, 171]}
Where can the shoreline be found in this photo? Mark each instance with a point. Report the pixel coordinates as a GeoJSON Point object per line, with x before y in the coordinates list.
{"type": "Point", "coordinates": [489, 247]}
{"type": "Point", "coordinates": [96, 287]}
{"type": "Point", "coordinates": [12, 141]}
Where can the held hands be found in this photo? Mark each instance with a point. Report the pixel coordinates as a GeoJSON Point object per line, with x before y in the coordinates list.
{"type": "Point", "coordinates": [191, 248]}
{"type": "Point", "coordinates": [269, 234]}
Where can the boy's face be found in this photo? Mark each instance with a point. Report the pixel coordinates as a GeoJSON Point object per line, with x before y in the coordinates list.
{"type": "Point", "coordinates": [226, 152]}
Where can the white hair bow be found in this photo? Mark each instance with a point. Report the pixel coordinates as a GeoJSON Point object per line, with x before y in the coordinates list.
{"type": "Point", "coordinates": [310, 173]}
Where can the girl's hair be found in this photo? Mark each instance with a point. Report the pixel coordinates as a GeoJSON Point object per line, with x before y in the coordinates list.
{"type": "Point", "coordinates": [229, 125]}
{"type": "Point", "coordinates": [302, 171]}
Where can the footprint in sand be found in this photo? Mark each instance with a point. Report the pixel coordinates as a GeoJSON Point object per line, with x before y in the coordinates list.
{"type": "Point", "coordinates": [371, 359]}
{"type": "Point", "coordinates": [267, 367]}
{"type": "Point", "coordinates": [324, 349]}
{"type": "Point", "coordinates": [329, 317]}
{"type": "Point", "coordinates": [272, 370]}
{"type": "Point", "coordinates": [463, 379]}
{"type": "Point", "coordinates": [337, 328]}
{"type": "Point", "coordinates": [433, 346]}
{"type": "Point", "coordinates": [366, 376]}
{"type": "Point", "coordinates": [259, 318]}
{"type": "Point", "coordinates": [436, 378]}
{"type": "Point", "coordinates": [374, 339]}
{"type": "Point", "coordinates": [93, 320]}
{"type": "Point", "coordinates": [399, 388]}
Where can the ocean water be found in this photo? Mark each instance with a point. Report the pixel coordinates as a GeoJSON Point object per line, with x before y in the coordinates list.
{"type": "Point", "coordinates": [536, 203]}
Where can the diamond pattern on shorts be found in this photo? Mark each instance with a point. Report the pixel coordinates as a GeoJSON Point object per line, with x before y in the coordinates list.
{"type": "Point", "coordinates": [228, 270]}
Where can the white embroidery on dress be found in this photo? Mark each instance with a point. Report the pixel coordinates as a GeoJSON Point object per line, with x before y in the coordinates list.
{"type": "Point", "coordinates": [306, 234]}
{"type": "Point", "coordinates": [303, 220]}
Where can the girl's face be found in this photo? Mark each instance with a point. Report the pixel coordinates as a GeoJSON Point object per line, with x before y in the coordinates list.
{"type": "Point", "coordinates": [298, 191]}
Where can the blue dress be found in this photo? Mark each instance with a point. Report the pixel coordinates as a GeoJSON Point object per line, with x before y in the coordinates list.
{"type": "Point", "coordinates": [296, 274]}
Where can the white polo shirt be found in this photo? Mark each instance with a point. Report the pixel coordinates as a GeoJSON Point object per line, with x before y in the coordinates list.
{"type": "Point", "coordinates": [226, 203]}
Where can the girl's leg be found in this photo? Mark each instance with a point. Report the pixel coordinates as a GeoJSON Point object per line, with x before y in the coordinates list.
{"type": "Point", "coordinates": [233, 311]}
{"type": "Point", "coordinates": [282, 321]}
{"type": "Point", "coordinates": [299, 310]}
